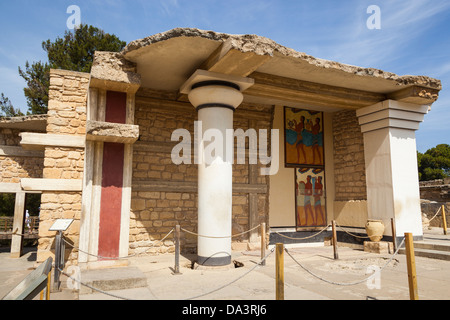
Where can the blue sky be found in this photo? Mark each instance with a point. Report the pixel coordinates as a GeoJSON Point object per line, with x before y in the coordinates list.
{"type": "Point", "coordinates": [413, 39]}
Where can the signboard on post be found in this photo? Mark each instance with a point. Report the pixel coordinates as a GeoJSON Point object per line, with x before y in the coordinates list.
{"type": "Point", "coordinates": [61, 225]}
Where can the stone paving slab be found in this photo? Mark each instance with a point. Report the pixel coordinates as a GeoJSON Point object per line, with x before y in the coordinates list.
{"type": "Point", "coordinates": [433, 277]}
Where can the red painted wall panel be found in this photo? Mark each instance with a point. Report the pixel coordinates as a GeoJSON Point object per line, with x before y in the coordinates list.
{"type": "Point", "coordinates": [116, 110]}
{"type": "Point", "coordinates": [112, 180]}
{"type": "Point", "coordinates": [111, 200]}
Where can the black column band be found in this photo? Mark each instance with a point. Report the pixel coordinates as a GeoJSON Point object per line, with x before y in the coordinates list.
{"type": "Point", "coordinates": [214, 261]}
{"type": "Point", "coordinates": [216, 83]}
{"type": "Point", "coordinates": [215, 105]}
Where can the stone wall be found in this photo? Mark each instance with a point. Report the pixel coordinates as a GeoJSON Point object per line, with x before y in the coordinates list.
{"type": "Point", "coordinates": [349, 164]}
{"type": "Point", "coordinates": [165, 194]}
{"type": "Point", "coordinates": [66, 115]}
{"type": "Point", "coordinates": [21, 165]}
{"type": "Point", "coordinates": [435, 194]}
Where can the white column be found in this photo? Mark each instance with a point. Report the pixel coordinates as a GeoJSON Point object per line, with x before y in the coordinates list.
{"type": "Point", "coordinates": [391, 164]}
{"type": "Point", "coordinates": [215, 99]}
{"type": "Point", "coordinates": [215, 189]}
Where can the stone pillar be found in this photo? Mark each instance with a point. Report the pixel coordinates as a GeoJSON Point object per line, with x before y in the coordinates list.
{"type": "Point", "coordinates": [18, 225]}
{"type": "Point", "coordinates": [215, 97]}
{"type": "Point", "coordinates": [110, 135]}
{"type": "Point", "coordinates": [391, 164]}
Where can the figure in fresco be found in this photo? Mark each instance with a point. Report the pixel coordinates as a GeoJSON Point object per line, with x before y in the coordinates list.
{"type": "Point", "coordinates": [316, 141]}
{"type": "Point", "coordinates": [299, 128]}
{"type": "Point", "coordinates": [303, 137]}
{"type": "Point", "coordinates": [307, 201]}
{"type": "Point", "coordinates": [318, 192]}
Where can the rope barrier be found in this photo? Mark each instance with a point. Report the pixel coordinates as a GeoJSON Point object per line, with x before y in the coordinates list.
{"type": "Point", "coordinates": [191, 298]}
{"type": "Point", "coordinates": [439, 210]}
{"type": "Point", "coordinates": [214, 237]}
{"type": "Point", "coordinates": [348, 283]}
{"type": "Point", "coordinates": [240, 277]}
{"type": "Point", "coordinates": [119, 258]}
{"type": "Point", "coordinates": [351, 234]}
{"type": "Point", "coordinates": [308, 237]}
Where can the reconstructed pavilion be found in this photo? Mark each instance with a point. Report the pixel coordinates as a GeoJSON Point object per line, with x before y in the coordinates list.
{"type": "Point", "coordinates": [341, 147]}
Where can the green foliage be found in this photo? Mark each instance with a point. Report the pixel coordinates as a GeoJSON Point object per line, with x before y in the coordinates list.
{"type": "Point", "coordinates": [7, 203]}
{"type": "Point", "coordinates": [37, 77]}
{"type": "Point", "coordinates": [434, 163]}
{"type": "Point", "coordinates": [7, 109]}
{"type": "Point", "coordinates": [74, 51]}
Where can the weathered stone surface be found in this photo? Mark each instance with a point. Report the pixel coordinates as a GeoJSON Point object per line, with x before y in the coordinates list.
{"type": "Point", "coordinates": [264, 46]}
{"type": "Point", "coordinates": [111, 71]}
{"type": "Point", "coordinates": [381, 247]}
{"type": "Point", "coordinates": [111, 132]}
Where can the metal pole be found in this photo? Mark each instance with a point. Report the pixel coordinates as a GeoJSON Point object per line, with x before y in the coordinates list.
{"type": "Point", "coordinates": [444, 219]}
{"type": "Point", "coordinates": [279, 271]}
{"type": "Point", "coordinates": [411, 266]}
{"type": "Point", "coordinates": [394, 234]}
{"type": "Point", "coordinates": [177, 249]}
{"type": "Point", "coordinates": [335, 247]}
{"type": "Point", "coordinates": [58, 241]}
{"type": "Point", "coordinates": [263, 243]}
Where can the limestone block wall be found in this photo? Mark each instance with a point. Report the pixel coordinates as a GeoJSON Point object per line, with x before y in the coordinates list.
{"type": "Point", "coordinates": [349, 165]}
{"type": "Point", "coordinates": [165, 194]}
{"type": "Point", "coordinates": [15, 166]}
{"type": "Point", "coordinates": [433, 195]}
{"type": "Point", "coordinates": [66, 115]}
{"type": "Point", "coordinates": [350, 205]}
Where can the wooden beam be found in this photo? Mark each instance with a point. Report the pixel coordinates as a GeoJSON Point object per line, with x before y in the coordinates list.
{"type": "Point", "coordinates": [68, 185]}
{"type": "Point", "coordinates": [10, 187]}
{"type": "Point", "coordinates": [300, 91]}
{"type": "Point", "coordinates": [38, 141]}
{"type": "Point", "coordinates": [11, 151]}
{"type": "Point", "coordinates": [182, 186]}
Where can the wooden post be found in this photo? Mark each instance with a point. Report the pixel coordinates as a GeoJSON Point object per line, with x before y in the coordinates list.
{"type": "Point", "coordinates": [177, 249]}
{"type": "Point", "coordinates": [18, 225]}
{"type": "Point", "coordinates": [394, 234]}
{"type": "Point", "coordinates": [46, 292]}
{"type": "Point", "coordinates": [263, 243]}
{"type": "Point", "coordinates": [444, 220]}
{"type": "Point", "coordinates": [335, 247]}
{"type": "Point", "coordinates": [411, 265]}
{"type": "Point", "coordinates": [279, 271]}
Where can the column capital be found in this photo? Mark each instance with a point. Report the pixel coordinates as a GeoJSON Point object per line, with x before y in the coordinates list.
{"type": "Point", "coordinates": [391, 114]}
{"type": "Point", "coordinates": [205, 88]}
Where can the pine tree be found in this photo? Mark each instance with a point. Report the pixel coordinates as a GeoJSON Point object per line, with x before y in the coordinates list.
{"type": "Point", "coordinates": [74, 51]}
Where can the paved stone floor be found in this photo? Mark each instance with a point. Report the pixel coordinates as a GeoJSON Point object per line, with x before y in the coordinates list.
{"type": "Point", "coordinates": [433, 277]}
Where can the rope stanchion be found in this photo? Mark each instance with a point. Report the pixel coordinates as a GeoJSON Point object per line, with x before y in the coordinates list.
{"type": "Point", "coordinates": [119, 258]}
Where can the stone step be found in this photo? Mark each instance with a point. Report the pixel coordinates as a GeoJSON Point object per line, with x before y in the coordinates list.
{"type": "Point", "coordinates": [432, 245]}
{"type": "Point", "coordinates": [429, 253]}
{"type": "Point", "coordinates": [112, 279]}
